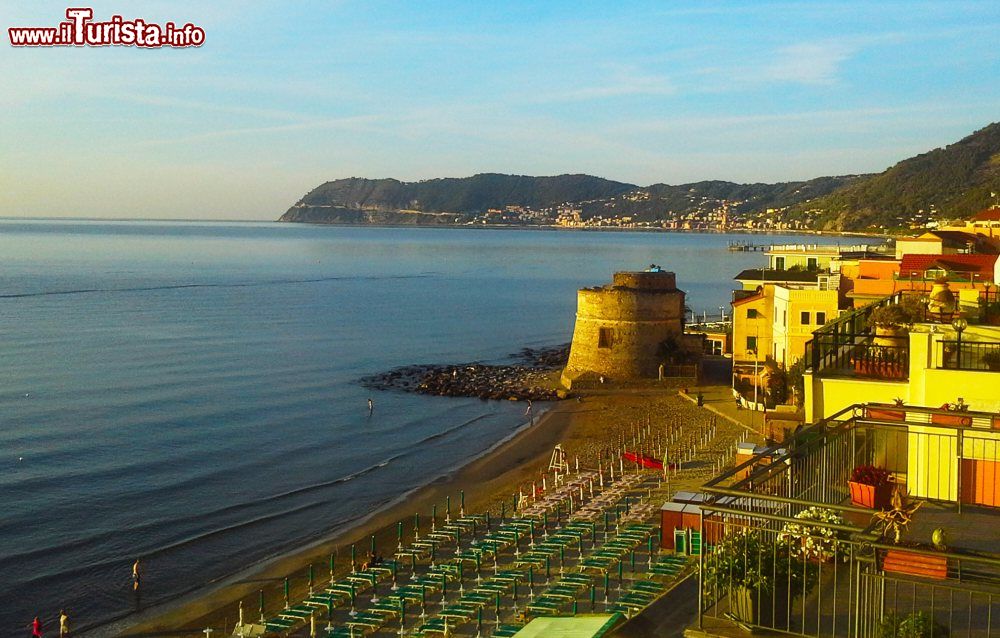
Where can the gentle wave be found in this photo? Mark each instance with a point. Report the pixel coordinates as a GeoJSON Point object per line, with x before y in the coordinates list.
{"type": "Point", "coordinates": [249, 284]}
{"type": "Point", "coordinates": [159, 524]}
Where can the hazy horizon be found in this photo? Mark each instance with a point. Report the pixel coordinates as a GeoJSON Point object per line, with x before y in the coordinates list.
{"type": "Point", "coordinates": [282, 98]}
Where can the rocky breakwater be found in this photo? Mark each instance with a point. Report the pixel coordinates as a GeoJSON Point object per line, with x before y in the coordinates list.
{"type": "Point", "coordinates": [528, 377]}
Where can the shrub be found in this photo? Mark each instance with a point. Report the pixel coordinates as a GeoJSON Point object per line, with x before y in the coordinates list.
{"type": "Point", "coordinates": [815, 542]}
{"type": "Point", "coordinates": [916, 625]}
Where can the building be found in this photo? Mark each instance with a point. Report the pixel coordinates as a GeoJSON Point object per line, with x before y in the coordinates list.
{"type": "Point", "coordinates": [627, 330]}
{"type": "Point", "coordinates": [754, 278]}
{"type": "Point", "coordinates": [816, 256]}
{"type": "Point", "coordinates": [986, 222]}
{"type": "Point", "coordinates": [931, 364]}
{"type": "Point", "coordinates": [943, 242]}
{"type": "Point", "coordinates": [777, 322]}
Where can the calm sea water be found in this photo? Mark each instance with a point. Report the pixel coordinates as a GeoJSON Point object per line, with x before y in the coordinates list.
{"type": "Point", "coordinates": [186, 392]}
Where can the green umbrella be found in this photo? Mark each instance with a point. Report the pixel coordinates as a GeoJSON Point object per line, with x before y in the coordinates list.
{"type": "Point", "coordinates": [487, 521]}
{"type": "Point", "coordinates": [593, 596]}
{"type": "Point", "coordinates": [649, 544]}
{"type": "Point", "coordinates": [462, 494]}
{"type": "Point", "coordinates": [261, 606]}
{"type": "Point", "coordinates": [498, 608]}
{"type": "Point", "coordinates": [416, 526]}
{"type": "Point", "coordinates": [353, 612]}
{"type": "Point", "coordinates": [331, 569]}
{"type": "Point", "coordinates": [434, 516]}
{"type": "Point", "coordinates": [286, 592]}
{"type": "Point", "coordinates": [402, 614]}
{"type": "Point", "coordinates": [447, 508]}
{"type": "Point", "coordinates": [632, 558]}
{"type": "Point", "coordinates": [548, 571]}
{"type": "Point", "coordinates": [310, 578]}
{"type": "Point", "coordinates": [503, 511]}
{"type": "Point", "coordinates": [354, 556]}
{"type": "Point", "coordinates": [373, 545]}
{"type": "Point", "coordinates": [479, 621]}
{"type": "Point", "coordinates": [399, 534]}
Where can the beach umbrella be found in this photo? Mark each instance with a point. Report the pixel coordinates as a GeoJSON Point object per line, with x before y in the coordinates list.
{"type": "Point", "coordinates": [393, 567]}
{"type": "Point", "coordinates": [458, 539]}
{"type": "Point", "coordinates": [416, 526]}
{"type": "Point", "coordinates": [479, 574]}
{"type": "Point", "coordinates": [373, 546]}
{"type": "Point", "coordinates": [310, 579]}
{"type": "Point", "coordinates": [462, 510]}
{"type": "Point", "coordinates": [607, 582]}
{"type": "Point", "coordinates": [548, 571]}
{"type": "Point", "coordinates": [562, 559]}
{"type": "Point", "coordinates": [399, 535]}
{"type": "Point", "coordinates": [461, 575]}
{"type": "Point", "coordinates": [402, 615]}
{"type": "Point", "coordinates": [487, 521]}
{"type": "Point", "coordinates": [620, 577]}
{"type": "Point", "coordinates": [434, 517]}
{"type": "Point", "coordinates": [649, 545]}
{"type": "Point", "coordinates": [312, 626]}
{"type": "Point", "coordinates": [261, 606]}
{"type": "Point", "coordinates": [331, 568]}
{"type": "Point", "coordinates": [503, 511]}
{"type": "Point", "coordinates": [447, 508]}
{"type": "Point", "coordinates": [286, 592]}
{"type": "Point", "coordinates": [593, 596]}
{"type": "Point", "coordinates": [374, 586]}
{"type": "Point", "coordinates": [423, 601]}
{"type": "Point", "coordinates": [354, 557]}
{"type": "Point", "coordinates": [241, 614]}
{"type": "Point", "coordinates": [574, 606]}
{"type": "Point", "coordinates": [479, 621]}
{"type": "Point", "coordinates": [433, 552]}
{"type": "Point", "coordinates": [632, 553]}
{"type": "Point", "coordinates": [444, 586]}
{"type": "Point", "coordinates": [353, 612]}
{"type": "Point", "coordinates": [497, 608]}
{"type": "Point", "coordinates": [531, 583]}
{"type": "Point", "coordinates": [329, 613]}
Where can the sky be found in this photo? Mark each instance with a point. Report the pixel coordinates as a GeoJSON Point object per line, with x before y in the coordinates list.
{"type": "Point", "coordinates": [283, 96]}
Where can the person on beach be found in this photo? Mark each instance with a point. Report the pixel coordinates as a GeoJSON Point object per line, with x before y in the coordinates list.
{"type": "Point", "coordinates": [371, 407]}
{"type": "Point", "coordinates": [135, 575]}
{"type": "Point", "coordinates": [36, 628]}
{"type": "Point", "coordinates": [527, 412]}
{"type": "Point", "coordinates": [63, 624]}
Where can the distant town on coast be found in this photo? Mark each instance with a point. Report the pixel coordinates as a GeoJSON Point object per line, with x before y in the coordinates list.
{"type": "Point", "coordinates": [928, 191]}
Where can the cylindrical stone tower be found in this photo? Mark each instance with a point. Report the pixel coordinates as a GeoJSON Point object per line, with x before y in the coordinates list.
{"type": "Point", "coordinates": [620, 328]}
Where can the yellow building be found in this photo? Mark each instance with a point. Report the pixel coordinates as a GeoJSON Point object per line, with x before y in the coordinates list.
{"type": "Point", "coordinates": [778, 321]}
{"type": "Point", "coordinates": [927, 367]}
{"type": "Point", "coordinates": [795, 314]}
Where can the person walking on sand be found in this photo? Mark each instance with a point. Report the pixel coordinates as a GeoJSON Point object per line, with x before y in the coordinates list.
{"type": "Point", "coordinates": [36, 628]}
{"type": "Point", "coordinates": [371, 407]}
{"type": "Point", "coordinates": [135, 575]}
{"type": "Point", "coordinates": [527, 412]}
{"type": "Point", "coordinates": [63, 624]}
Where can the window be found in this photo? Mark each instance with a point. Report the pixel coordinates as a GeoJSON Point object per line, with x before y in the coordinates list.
{"type": "Point", "coordinates": [812, 263]}
{"type": "Point", "coordinates": [604, 337]}
{"type": "Point", "coordinates": [820, 318]}
{"type": "Point", "coordinates": [752, 344]}
{"type": "Point", "coordinates": [805, 318]}
{"type": "Point", "coordinates": [752, 313]}
{"type": "Point", "coordinates": [779, 263]}
{"type": "Point", "coordinates": [784, 317]}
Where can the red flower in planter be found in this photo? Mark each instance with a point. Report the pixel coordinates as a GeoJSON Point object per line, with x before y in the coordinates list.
{"type": "Point", "coordinates": [870, 486]}
{"type": "Point", "coordinates": [870, 475]}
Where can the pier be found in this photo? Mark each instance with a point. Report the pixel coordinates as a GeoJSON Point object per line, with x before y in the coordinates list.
{"type": "Point", "coordinates": [746, 247]}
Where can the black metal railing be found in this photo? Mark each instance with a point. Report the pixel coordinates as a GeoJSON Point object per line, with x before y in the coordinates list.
{"type": "Point", "coordinates": [854, 354]}
{"type": "Point", "coordinates": [969, 355]}
{"type": "Point", "coordinates": [832, 347]}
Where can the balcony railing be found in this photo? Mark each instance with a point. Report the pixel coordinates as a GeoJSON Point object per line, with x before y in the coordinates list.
{"type": "Point", "coordinates": [788, 552]}
{"type": "Point", "coordinates": [844, 347]}
{"type": "Point", "coordinates": [969, 355]}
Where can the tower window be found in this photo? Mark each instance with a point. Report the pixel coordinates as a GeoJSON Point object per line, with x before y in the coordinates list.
{"type": "Point", "coordinates": [604, 337]}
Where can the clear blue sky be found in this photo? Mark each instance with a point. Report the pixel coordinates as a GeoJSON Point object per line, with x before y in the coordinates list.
{"type": "Point", "coordinates": [286, 95]}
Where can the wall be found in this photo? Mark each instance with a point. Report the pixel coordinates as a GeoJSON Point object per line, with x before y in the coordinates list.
{"type": "Point", "coordinates": [760, 327]}
{"type": "Point", "coordinates": [788, 332]}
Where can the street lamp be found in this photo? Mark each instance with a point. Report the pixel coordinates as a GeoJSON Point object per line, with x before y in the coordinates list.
{"type": "Point", "coordinates": [959, 325]}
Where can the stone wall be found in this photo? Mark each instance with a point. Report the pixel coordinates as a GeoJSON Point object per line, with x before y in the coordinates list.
{"type": "Point", "coordinates": [619, 328]}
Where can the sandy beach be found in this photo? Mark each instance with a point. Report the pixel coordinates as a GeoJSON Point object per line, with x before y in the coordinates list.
{"type": "Point", "coordinates": [586, 428]}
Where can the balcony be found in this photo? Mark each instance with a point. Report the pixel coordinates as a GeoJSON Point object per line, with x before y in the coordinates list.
{"type": "Point", "coordinates": [789, 552]}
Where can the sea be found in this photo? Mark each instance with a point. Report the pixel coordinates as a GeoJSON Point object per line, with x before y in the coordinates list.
{"type": "Point", "coordinates": [187, 393]}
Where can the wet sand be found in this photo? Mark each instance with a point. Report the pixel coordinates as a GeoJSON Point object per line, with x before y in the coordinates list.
{"type": "Point", "coordinates": [585, 428]}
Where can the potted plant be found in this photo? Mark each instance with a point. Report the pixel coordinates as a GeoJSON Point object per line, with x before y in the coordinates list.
{"type": "Point", "coordinates": [870, 487]}
{"type": "Point", "coordinates": [759, 576]}
{"type": "Point", "coordinates": [919, 624]}
{"type": "Point", "coordinates": [816, 543]}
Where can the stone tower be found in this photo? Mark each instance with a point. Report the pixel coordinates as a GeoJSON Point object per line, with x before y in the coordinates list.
{"type": "Point", "coordinates": [620, 328]}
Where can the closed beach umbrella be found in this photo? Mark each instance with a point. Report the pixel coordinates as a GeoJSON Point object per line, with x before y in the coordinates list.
{"type": "Point", "coordinates": [331, 568]}
{"type": "Point", "coordinates": [261, 606]}
{"type": "Point", "coordinates": [286, 592]}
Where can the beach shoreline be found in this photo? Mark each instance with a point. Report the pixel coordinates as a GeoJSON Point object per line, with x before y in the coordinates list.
{"type": "Point", "coordinates": [507, 464]}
